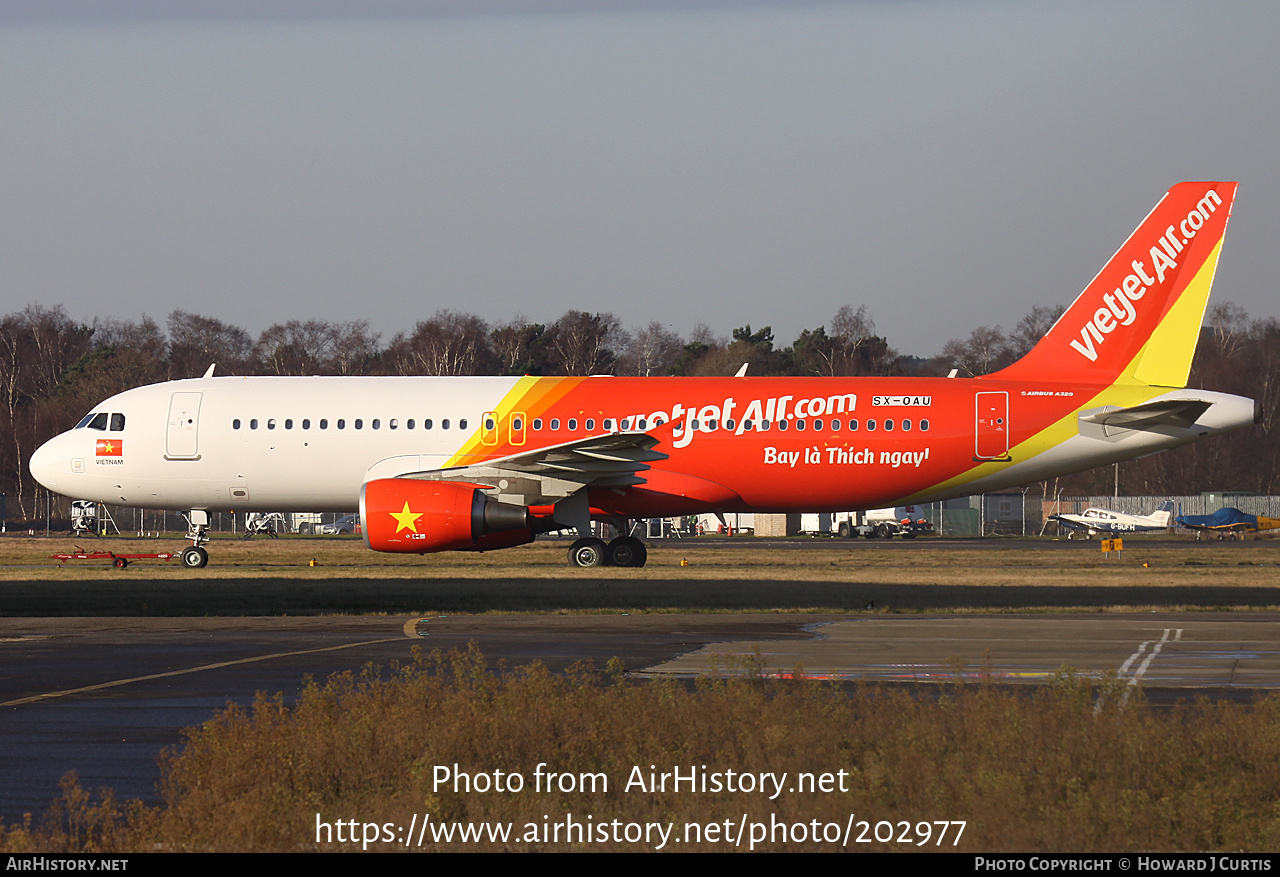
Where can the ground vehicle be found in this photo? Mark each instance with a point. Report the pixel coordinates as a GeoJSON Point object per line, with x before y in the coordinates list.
{"type": "Point", "coordinates": [904, 521]}
{"type": "Point", "coordinates": [344, 526]}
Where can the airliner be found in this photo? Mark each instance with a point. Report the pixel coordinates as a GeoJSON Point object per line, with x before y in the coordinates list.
{"type": "Point", "coordinates": [480, 463]}
{"type": "Point", "coordinates": [1099, 522]}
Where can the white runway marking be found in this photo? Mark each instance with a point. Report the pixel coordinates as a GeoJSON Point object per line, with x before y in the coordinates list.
{"type": "Point", "coordinates": [1156, 646]}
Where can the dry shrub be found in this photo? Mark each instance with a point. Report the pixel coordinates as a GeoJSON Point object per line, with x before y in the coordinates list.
{"type": "Point", "coordinates": [1071, 766]}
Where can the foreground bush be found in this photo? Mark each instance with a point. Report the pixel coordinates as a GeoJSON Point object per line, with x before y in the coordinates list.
{"type": "Point", "coordinates": [1066, 767]}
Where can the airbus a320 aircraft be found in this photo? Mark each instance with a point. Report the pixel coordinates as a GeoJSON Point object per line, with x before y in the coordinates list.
{"type": "Point", "coordinates": [478, 463]}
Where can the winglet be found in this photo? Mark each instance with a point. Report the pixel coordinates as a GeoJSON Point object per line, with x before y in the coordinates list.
{"type": "Point", "coordinates": [1139, 320]}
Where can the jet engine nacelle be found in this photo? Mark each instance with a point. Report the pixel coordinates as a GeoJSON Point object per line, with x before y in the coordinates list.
{"type": "Point", "coordinates": [409, 516]}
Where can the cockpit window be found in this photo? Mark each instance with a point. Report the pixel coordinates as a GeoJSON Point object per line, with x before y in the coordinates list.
{"type": "Point", "coordinates": [98, 421]}
{"type": "Point", "coordinates": [117, 422]}
{"type": "Point", "coordinates": [84, 421]}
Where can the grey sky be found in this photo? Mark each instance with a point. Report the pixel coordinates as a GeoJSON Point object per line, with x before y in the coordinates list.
{"type": "Point", "coordinates": [947, 164]}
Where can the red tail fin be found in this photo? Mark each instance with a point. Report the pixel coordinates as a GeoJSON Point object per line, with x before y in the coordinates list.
{"type": "Point", "coordinates": [1139, 320]}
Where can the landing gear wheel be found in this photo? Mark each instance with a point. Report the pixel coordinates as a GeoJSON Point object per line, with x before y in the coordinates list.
{"type": "Point", "coordinates": [627, 551]}
{"type": "Point", "coordinates": [588, 552]}
{"type": "Point", "coordinates": [194, 557]}
{"type": "Point", "coordinates": [121, 562]}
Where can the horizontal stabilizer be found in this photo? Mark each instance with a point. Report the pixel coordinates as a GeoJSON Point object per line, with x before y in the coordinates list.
{"type": "Point", "coordinates": [1180, 413]}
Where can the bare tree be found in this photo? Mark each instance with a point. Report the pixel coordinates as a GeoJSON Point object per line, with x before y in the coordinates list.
{"type": "Point", "coordinates": [1032, 327]}
{"type": "Point", "coordinates": [37, 347]}
{"type": "Point", "coordinates": [580, 343]}
{"type": "Point", "coordinates": [450, 343]}
{"type": "Point", "coordinates": [519, 347]}
{"type": "Point", "coordinates": [197, 342]}
{"type": "Point", "coordinates": [984, 351]}
{"type": "Point", "coordinates": [1230, 325]}
{"type": "Point", "coordinates": [654, 350]}
{"type": "Point", "coordinates": [355, 349]}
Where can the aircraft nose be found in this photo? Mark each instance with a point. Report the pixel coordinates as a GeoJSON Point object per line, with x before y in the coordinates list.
{"type": "Point", "coordinates": [47, 464]}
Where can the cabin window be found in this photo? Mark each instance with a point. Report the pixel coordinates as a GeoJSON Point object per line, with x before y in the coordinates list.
{"type": "Point", "coordinates": [517, 424]}
{"type": "Point", "coordinates": [591, 424]}
{"type": "Point", "coordinates": [253, 424]}
{"type": "Point", "coordinates": [117, 422]}
{"type": "Point", "coordinates": [426, 424]}
{"type": "Point", "coordinates": [537, 423]}
{"type": "Point", "coordinates": [462, 424]}
{"type": "Point", "coordinates": [888, 424]}
{"type": "Point", "coordinates": [408, 424]}
{"type": "Point", "coordinates": [359, 424]}
{"type": "Point", "coordinates": [906, 424]}
{"type": "Point", "coordinates": [924, 424]}
{"type": "Point", "coordinates": [555, 423]}
{"type": "Point", "coordinates": [853, 426]}
{"type": "Point", "coordinates": [835, 426]}
{"type": "Point", "coordinates": [235, 424]}
{"type": "Point", "coordinates": [444, 424]}
{"type": "Point", "coordinates": [764, 425]}
{"type": "Point", "coordinates": [342, 424]}
{"type": "Point", "coordinates": [641, 425]}
{"type": "Point", "coordinates": [782, 425]}
{"type": "Point", "coordinates": [271, 423]}
{"type": "Point", "coordinates": [288, 424]}
{"type": "Point", "coordinates": [871, 425]}
{"type": "Point", "coordinates": [800, 425]}
{"type": "Point", "coordinates": [573, 423]}
{"type": "Point", "coordinates": [306, 424]}
{"type": "Point", "coordinates": [324, 423]}
{"type": "Point", "coordinates": [376, 423]}
{"type": "Point", "coordinates": [730, 423]}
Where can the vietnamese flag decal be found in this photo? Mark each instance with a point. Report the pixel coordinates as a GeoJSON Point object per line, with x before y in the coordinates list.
{"type": "Point", "coordinates": [109, 448]}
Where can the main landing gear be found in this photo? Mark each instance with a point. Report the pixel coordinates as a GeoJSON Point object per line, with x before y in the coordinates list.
{"type": "Point", "coordinates": [622, 551]}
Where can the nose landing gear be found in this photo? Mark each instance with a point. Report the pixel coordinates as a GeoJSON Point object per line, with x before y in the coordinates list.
{"type": "Point", "coordinates": [196, 556]}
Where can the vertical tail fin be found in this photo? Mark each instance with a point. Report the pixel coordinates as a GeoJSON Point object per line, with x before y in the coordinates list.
{"type": "Point", "coordinates": [1139, 320]}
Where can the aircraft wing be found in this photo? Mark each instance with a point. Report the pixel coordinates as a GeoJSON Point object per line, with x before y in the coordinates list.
{"type": "Point", "coordinates": [1067, 521]}
{"type": "Point", "coordinates": [544, 475]}
{"type": "Point", "coordinates": [1181, 413]}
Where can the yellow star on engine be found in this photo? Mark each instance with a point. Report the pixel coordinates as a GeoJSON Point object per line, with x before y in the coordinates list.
{"type": "Point", "coordinates": [407, 520]}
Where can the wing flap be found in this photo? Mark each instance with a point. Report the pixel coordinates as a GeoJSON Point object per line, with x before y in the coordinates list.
{"type": "Point", "coordinates": [544, 475]}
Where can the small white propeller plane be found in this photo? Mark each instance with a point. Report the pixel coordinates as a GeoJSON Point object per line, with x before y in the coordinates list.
{"type": "Point", "coordinates": [1105, 522]}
